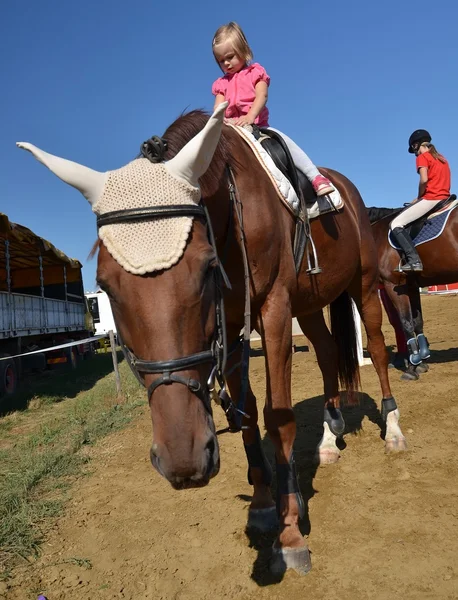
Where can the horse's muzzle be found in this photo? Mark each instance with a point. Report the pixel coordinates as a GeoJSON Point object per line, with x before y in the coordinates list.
{"type": "Point", "coordinates": [191, 474]}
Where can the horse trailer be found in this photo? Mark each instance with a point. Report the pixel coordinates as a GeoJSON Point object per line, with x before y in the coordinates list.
{"type": "Point", "coordinates": [42, 305]}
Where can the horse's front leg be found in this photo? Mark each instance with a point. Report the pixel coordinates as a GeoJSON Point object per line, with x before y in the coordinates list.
{"type": "Point", "coordinates": [290, 549]}
{"type": "Point", "coordinates": [417, 316]}
{"type": "Point", "coordinates": [262, 514]}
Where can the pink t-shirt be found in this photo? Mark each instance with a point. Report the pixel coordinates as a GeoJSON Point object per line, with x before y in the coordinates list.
{"type": "Point", "coordinates": [239, 90]}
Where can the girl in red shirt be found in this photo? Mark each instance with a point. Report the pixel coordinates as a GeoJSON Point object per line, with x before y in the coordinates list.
{"type": "Point", "coordinates": [434, 186]}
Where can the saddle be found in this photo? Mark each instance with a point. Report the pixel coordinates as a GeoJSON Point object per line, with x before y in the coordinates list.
{"type": "Point", "coordinates": [428, 227]}
{"type": "Point", "coordinates": [275, 146]}
{"type": "Point", "coordinates": [415, 227]}
{"type": "Point", "coordinates": [277, 149]}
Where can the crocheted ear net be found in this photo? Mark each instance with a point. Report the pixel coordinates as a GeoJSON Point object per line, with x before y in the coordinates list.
{"type": "Point", "coordinates": [146, 246]}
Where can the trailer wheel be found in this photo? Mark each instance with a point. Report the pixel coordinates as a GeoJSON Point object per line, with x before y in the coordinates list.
{"type": "Point", "coordinates": [72, 357]}
{"type": "Point", "coordinates": [8, 376]}
{"type": "Point", "coordinates": [90, 351]}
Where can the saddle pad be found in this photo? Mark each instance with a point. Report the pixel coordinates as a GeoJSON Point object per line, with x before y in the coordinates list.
{"type": "Point", "coordinates": [281, 183]}
{"type": "Point", "coordinates": [431, 230]}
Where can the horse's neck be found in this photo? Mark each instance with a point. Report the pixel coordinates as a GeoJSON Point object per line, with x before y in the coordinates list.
{"type": "Point", "coordinates": [219, 207]}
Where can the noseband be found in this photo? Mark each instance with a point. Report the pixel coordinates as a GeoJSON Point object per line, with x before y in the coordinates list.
{"type": "Point", "coordinates": [218, 353]}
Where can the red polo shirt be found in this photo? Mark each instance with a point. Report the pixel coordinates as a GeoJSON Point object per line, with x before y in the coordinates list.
{"type": "Point", "coordinates": [438, 184]}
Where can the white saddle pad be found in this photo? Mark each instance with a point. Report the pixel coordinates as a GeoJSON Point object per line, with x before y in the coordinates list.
{"type": "Point", "coordinates": [280, 182]}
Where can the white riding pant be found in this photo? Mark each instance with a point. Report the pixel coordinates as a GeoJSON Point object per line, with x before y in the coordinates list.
{"type": "Point", "coordinates": [300, 158]}
{"type": "Point", "coordinates": [413, 212]}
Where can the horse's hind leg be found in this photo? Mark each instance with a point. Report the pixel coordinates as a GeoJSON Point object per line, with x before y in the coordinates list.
{"type": "Point", "coordinates": [369, 307]}
{"type": "Point", "coordinates": [316, 330]}
{"type": "Point", "coordinates": [262, 514]}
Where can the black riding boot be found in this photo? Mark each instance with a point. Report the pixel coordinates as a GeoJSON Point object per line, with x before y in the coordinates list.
{"type": "Point", "coordinates": [403, 240]}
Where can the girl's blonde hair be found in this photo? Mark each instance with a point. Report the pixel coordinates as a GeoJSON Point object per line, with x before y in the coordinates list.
{"type": "Point", "coordinates": [434, 153]}
{"type": "Point", "coordinates": [233, 32]}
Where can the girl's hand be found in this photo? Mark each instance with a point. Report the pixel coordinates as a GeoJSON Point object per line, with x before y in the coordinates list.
{"type": "Point", "coordinates": [245, 120]}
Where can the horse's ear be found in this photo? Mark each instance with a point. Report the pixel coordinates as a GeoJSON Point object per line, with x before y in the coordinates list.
{"type": "Point", "coordinates": [194, 159]}
{"type": "Point", "coordinates": [89, 182]}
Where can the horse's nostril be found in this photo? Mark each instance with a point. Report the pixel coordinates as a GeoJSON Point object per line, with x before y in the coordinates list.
{"type": "Point", "coordinates": [211, 446]}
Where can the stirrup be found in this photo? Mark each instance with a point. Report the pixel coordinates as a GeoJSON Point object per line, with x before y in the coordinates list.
{"type": "Point", "coordinates": [407, 267]}
{"type": "Point", "coordinates": [417, 267]}
{"type": "Point", "coordinates": [399, 268]}
{"type": "Point", "coordinates": [312, 269]}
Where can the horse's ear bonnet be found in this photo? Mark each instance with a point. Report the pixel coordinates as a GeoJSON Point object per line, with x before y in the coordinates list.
{"type": "Point", "coordinates": [149, 245]}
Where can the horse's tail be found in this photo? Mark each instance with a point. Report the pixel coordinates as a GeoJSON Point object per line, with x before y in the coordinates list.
{"type": "Point", "coordinates": [344, 333]}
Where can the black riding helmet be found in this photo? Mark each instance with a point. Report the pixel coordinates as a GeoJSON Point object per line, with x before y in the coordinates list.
{"type": "Point", "coordinates": [418, 137]}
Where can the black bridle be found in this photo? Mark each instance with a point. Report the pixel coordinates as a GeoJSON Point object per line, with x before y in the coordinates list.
{"type": "Point", "coordinates": [217, 355]}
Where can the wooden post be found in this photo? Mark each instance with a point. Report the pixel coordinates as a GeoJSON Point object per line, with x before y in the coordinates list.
{"type": "Point", "coordinates": [115, 363]}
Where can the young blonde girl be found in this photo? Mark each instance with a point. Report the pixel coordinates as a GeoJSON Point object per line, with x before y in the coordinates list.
{"type": "Point", "coordinates": [245, 86]}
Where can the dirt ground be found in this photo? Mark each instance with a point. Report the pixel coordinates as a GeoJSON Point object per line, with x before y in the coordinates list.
{"type": "Point", "coordinates": [378, 526]}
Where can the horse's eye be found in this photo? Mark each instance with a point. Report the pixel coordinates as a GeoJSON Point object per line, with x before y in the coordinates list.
{"type": "Point", "coordinates": [211, 264]}
{"type": "Point", "coordinates": [103, 286]}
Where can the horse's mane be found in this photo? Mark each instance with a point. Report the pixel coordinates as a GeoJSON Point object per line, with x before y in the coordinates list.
{"type": "Point", "coordinates": [376, 213]}
{"type": "Point", "coordinates": [184, 129]}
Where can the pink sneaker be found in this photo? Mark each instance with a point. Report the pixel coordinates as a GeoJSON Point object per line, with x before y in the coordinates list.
{"type": "Point", "coordinates": [322, 185]}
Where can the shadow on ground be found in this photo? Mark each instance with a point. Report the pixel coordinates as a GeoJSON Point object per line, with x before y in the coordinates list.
{"type": "Point", "coordinates": [59, 383]}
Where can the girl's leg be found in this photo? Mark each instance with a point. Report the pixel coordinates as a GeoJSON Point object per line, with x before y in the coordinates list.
{"type": "Point", "coordinates": [321, 184]}
{"type": "Point", "coordinates": [413, 212]}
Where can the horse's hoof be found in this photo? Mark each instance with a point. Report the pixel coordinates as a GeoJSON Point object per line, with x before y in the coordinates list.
{"type": "Point", "coordinates": [263, 519]}
{"type": "Point", "coordinates": [396, 444]}
{"type": "Point", "coordinates": [422, 368]}
{"type": "Point", "coordinates": [327, 457]}
{"type": "Point", "coordinates": [290, 558]}
{"type": "Point", "coordinates": [410, 376]}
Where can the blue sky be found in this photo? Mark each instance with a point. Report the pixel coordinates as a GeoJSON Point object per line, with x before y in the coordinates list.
{"type": "Point", "coordinates": [91, 80]}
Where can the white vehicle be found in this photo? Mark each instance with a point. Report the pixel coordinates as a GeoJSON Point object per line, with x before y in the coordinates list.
{"type": "Point", "coordinates": [100, 309]}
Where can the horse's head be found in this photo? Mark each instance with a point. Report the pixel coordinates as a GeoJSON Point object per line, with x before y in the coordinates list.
{"type": "Point", "coordinates": [164, 306]}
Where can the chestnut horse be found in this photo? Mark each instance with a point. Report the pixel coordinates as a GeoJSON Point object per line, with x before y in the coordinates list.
{"type": "Point", "coordinates": [440, 266]}
{"type": "Point", "coordinates": [169, 318]}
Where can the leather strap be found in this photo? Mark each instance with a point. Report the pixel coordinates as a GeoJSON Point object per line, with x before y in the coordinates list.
{"type": "Point", "coordinates": [150, 212]}
{"type": "Point", "coordinates": [177, 364]}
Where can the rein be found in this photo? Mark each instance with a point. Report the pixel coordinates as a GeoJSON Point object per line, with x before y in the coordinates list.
{"type": "Point", "coordinates": [218, 354]}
